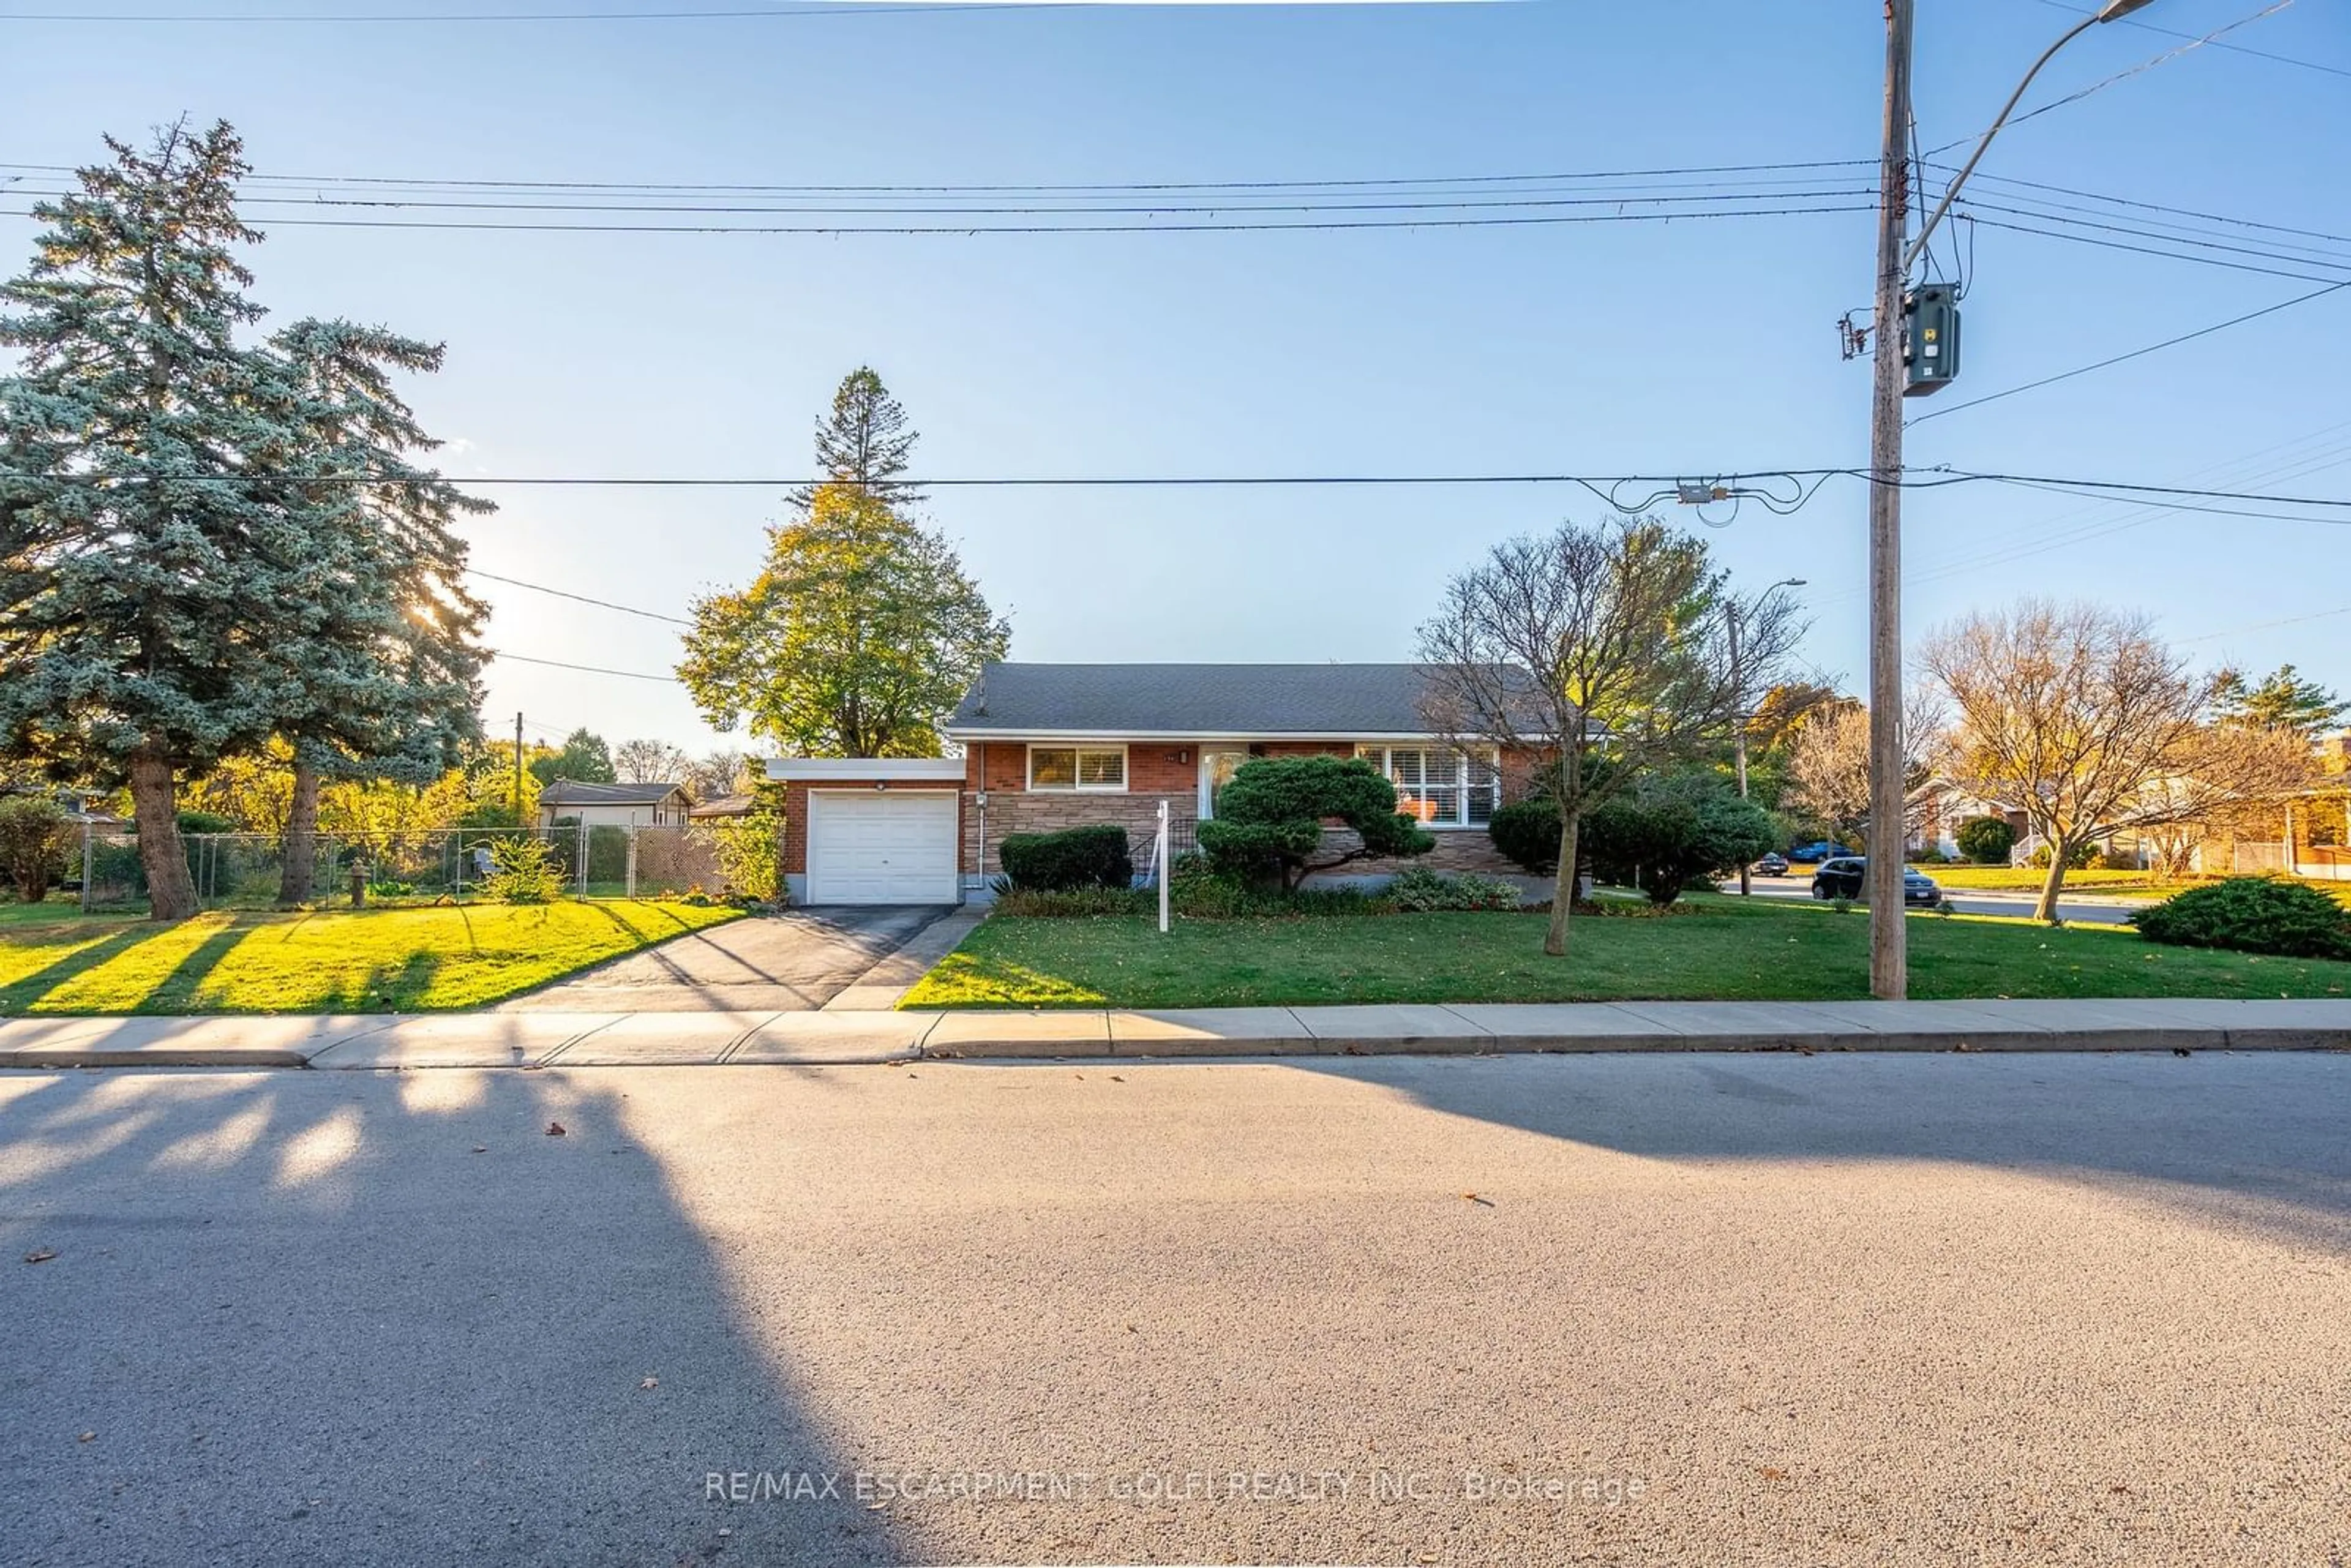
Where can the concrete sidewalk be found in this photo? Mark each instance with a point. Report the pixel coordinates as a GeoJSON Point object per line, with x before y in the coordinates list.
{"type": "Point", "coordinates": [860, 1037]}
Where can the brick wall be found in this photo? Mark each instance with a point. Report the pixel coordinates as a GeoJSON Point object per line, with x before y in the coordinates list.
{"type": "Point", "coordinates": [1153, 772]}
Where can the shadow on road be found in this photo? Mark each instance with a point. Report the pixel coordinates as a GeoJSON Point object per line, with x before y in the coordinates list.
{"type": "Point", "coordinates": [2248, 1140]}
{"type": "Point", "coordinates": [314, 1318]}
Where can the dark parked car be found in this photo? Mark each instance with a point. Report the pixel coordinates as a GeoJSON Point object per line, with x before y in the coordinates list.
{"type": "Point", "coordinates": [1845, 876]}
{"type": "Point", "coordinates": [1773, 865]}
{"type": "Point", "coordinates": [1821, 851]}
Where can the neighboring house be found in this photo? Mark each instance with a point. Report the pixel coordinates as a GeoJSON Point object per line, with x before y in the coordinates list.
{"type": "Point", "coordinates": [724, 808]}
{"type": "Point", "coordinates": [615, 805]}
{"type": "Point", "coordinates": [1059, 745]}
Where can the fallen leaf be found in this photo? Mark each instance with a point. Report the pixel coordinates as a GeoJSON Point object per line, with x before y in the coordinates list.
{"type": "Point", "coordinates": [86, 1436]}
{"type": "Point", "coordinates": [649, 1382]}
{"type": "Point", "coordinates": [555, 1129]}
{"type": "Point", "coordinates": [2179, 1050]}
{"type": "Point", "coordinates": [1773, 1473]}
{"type": "Point", "coordinates": [40, 1255]}
{"type": "Point", "coordinates": [1483, 1202]}
{"type": "Point", "coordinates": [1114, 1078]}
{"type": "Point", "coordinates": [481, 1148]}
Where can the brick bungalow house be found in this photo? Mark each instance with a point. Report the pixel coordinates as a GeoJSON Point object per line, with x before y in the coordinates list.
{"type": "Point", "coordinates": [1058, 745]}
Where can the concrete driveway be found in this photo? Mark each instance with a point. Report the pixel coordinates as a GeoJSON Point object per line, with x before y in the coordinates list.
{"type": "Point", "coordinates": [791, 962]}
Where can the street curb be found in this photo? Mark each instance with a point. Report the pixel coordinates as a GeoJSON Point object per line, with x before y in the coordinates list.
{"type": "Point", "coordinates": [224, 1056]}
{"type": "Point", "coordinates": [2088, 1041]}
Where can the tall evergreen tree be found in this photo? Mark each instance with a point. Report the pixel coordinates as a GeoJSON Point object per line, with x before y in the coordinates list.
{"type": "Point", "coordinates": [864, 444]}
{"type": "Point", "coordinates": [386, 660]}
{"type": "Point", "coordinates": [145, 571]}
{"type": "Point", "coordinates": [2284, 700]}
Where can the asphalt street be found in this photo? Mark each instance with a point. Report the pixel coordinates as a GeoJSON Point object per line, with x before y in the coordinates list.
{"type": "Point", "coordinates": [1767, 1308]}
{"type": "Point", "coordinates": [2087, 910]}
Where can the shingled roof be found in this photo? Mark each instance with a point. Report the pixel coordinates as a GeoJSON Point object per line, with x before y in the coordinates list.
{"type": "Point", "coordinates": [1237, 701]}
{"type": "Point", "coordinates": [572, 792]}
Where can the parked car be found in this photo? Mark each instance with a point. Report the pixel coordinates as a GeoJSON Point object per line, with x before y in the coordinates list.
{"type": "Point", "coordinates": [1819, 850]}
{"type": "Point", "coordinates": [1772, 864]}
{"type": "Point", "coordinates": [1846, 876]}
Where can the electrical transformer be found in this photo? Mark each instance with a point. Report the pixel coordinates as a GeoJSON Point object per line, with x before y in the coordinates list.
{"type": "Point", "coordinates": [1930, 339]}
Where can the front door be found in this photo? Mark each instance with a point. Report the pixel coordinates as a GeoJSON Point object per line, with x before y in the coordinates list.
{"type": "Point", "coordinates": [1218, 766]}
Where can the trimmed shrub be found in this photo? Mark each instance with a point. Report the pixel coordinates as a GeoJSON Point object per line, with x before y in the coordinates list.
{"type": "Point", "coordinates": [1526, 833]}
{"type": "Point", "coordinates": [1074, 902]}
{"type": "Point", "coordinates": [1670, 831]}
{"type": "Point", "coordinates": [1419, 891]}
{"type": "Point", "coordinates": [1986, 840]}
{"type": "Point", "coordinates": [2251, 915]}
{"type": "Point", "coordinates": [2078, 859]}
{"type": "Point", "coordinates": [33, 840]}
{"type": "Point", "coordinates": [1074, 857]}
{"type": "Point", "coordinates": [1269, 824]}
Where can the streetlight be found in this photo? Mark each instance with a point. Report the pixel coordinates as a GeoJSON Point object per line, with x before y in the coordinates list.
{"type": "Point", "coordinates": [2114, 11]}
{"type": "Point", "coordinates": [1738, 698]}
{"type": "Point", "coordinates": [1888, 961]}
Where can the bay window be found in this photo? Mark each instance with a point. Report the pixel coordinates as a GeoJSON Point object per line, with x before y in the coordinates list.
{"type": "Point", "coordinates": [1444, 788]}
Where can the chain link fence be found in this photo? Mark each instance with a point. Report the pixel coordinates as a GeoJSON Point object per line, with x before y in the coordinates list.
{"type": "Point", "coordinates": [440, 866]}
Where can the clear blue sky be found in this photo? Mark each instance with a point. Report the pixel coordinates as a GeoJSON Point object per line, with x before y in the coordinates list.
{"type": "Point", "coordinates": [1695, 347]}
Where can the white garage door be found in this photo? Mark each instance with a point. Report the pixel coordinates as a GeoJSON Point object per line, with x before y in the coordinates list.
{"type": "Point", "coordinates": [877, 846]}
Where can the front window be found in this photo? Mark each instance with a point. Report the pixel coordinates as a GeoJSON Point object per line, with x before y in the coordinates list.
{"type": "Point", "coordinates": [1441, 787]}
{"type": "Point", "coordinates": [1090, 768]}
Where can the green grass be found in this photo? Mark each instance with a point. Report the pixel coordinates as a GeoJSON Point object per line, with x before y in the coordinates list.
{"type": "Point", "coordinates": [384, 960]}
{"type": "Point", "coordinates": [1721, 949]}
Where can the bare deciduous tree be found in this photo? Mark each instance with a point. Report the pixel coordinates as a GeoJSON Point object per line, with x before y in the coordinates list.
{"type": "Point", "coordinates": [719, 773]}
{"type": "Point", "coordinates": [1828, 769]}
{"type": "Point", "coordinates": [2084, 720]}
{"type": "Point", "coordinates": [1605, 647]}
{"type": "Point", "coordinates": [649, 762]}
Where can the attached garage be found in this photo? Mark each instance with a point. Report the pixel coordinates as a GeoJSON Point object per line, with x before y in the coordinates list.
{"type": "Point", "coordinates": [872, 830]}
{"type": "Point", "coordinates": [891, 847]}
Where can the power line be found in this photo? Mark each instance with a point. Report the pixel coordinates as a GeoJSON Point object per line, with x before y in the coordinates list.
{"type": "Point", "coordinates": [584, 669]}
{"type": "Point", "coordinates": [1942, 476]}
{"type": "Point", "coordinates": [1158, 209]}
{"type": "Point", "coordinates": [1233, 226]}
{"type": "Point", "coordinates": [2135, 354]}
{"type": "Point", "coordinates": [2143, 250]}
{"type": "Point", "coordinates": [2271, 254]}
{"type": "Point", "coordinates": [764, 13]}
{"type": "Point", "coordinates": [1983, 179]}
{"type": "Point", "coordinates": [1031, 188]}
{"type": "Point", "coordinates": [577, 597]}
{"type": "Point", "coordinates": [2232, 48]}
{"type": "Point", "coordinates": [2266, 625]}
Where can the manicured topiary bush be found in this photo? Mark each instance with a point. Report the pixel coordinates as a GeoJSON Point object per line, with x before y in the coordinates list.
{"type": "Point", "coordinates": [1074, 857]}
{"type": "Point", "coordinates": [1986, 840]}
{"type": "Point", "coordinates": [1526, 833]}
{"type": "Point", "coordinates": [1268, 830]}
{"type": "Point", "coordinates": [2251, 915]}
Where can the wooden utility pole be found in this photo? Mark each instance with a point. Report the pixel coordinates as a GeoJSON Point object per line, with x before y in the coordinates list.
{"type": "Point", "coordinates": [518, 778]}
{"type": "Point", "coordinates": [1889, 955]}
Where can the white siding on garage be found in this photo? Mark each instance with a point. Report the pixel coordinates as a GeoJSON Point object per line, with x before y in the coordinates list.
{"type": "Point", "coordinates": [883, 846]}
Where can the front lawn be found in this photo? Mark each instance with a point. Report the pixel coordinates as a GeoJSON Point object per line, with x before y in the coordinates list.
{"type": "Point", "coordinates": [382, 960]}
{"type": "Point", "coordinates": [1720, 950]}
